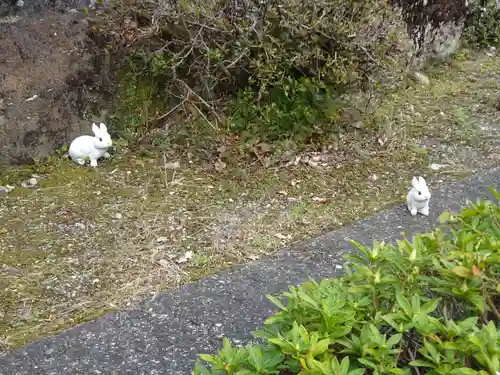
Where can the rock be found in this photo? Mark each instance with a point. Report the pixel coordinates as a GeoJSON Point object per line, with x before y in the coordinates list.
{"type": "Point", "coordinates": [421, 78]}
{"type": "Point", "coordinates": [220, 166]}
{"type": "Point", "coordinates": [437, 167]}
{"type": "Point", "coordinates": [30, 183]}
{"type": "Point", "coordinates": [10, 270]}
{"type": "Point", "coordinates": [118, 216]}
{"type": "Point", "coordinates": [4, 190]}
{"type": "Point", "coordinates": [80, 226]}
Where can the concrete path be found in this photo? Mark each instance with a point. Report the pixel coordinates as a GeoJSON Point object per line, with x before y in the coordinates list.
{"type": "Point", "coordinates": [166, 336]}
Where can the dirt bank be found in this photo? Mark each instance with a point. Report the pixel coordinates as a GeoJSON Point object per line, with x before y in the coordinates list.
{"type": "Point", "coordinates": [46, 78]}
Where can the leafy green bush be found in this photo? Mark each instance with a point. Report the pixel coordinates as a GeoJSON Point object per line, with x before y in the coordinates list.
{"type": "Point", "coordinates": [424, 307]}
{"type": "Point", "coordinates": [269, 69]}
{"type": "Point", "coordinates": [482, 29]}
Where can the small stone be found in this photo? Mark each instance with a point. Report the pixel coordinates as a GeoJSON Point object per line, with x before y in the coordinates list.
{"type": "Point", "coordinates": [338, 266]}
{"type": "Point", "coordinates": [437, 167]}
{"type": "Point", "coordinates": [422, 78]}
{"type": "Point", "coordinates": [4, 190]}
{"type": "Point", "coordinates": [160, 240]}
{"type": "Point", "coordinates": [220, 166]}
{"type": "Point", "coordinates": [10, 270]}
{"type": "Point", "coordinates": [118, 216]}
{"type": "Point", "coordinates": [20, 3]}
{"type": "Point", "coordinates": [80, 226]}
{"type": "Point", "coordinates": [29, 183]}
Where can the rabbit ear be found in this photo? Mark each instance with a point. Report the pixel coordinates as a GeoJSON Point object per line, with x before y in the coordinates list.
{"type": "Point", "coordinates": [95, 129]}
{"type": "Point", "coordinates": [103, 127]}
{"type": "Point", "coordinates": [421, 181]}
{"type": "Point", "coordinates": [414, 182]}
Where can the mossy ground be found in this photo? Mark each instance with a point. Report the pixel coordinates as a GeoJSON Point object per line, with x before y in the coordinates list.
{"type": "Point", "coordinates": [87, 241]}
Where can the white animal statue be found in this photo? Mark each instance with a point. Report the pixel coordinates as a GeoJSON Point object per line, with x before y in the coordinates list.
{"type": "Point", "coordinates": [93, 148]}
{"type": "Point", "coordinates": [418, 197]}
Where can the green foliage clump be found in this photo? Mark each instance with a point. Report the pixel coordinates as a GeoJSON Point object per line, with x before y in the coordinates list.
{"type": "Point", "coordinates": [430, 306]}
{"type": "Point", "coordinates": [482, 29]}
{"type": "Point", "coordinates": [270, 70]}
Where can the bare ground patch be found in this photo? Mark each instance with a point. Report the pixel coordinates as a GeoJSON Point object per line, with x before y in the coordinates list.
{"type": "Point", "coordinates": [85, 241]}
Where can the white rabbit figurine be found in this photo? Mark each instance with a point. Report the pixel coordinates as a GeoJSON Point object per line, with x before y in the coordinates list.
{"type": "Point", "coordinates": [86, 146]}
{"type": "Point", "coordinates": [418, 197]}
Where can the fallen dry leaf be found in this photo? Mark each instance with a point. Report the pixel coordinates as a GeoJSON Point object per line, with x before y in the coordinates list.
{"type": "Point", "coordinates": [282, 236]}
{"type": "Point", "coordinates": [183, 259]}
{"type": "Point", "coordinates": [164, 263]}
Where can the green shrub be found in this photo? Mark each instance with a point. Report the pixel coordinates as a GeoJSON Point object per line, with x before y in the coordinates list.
{"type": "Point", "coordinates": [268, 69]}
{"type": "Point", "coordinates": [297, 109]}
{"type": "Point", "coordinates": [482, 29]}
{"type": "Point", "coordinates": [424, 307]}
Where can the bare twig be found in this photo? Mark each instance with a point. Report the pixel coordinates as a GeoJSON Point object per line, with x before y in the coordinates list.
{"type": "Point", "coordinates": [191, 91]}
{"type": "Point", "coordinates": [172, 110]}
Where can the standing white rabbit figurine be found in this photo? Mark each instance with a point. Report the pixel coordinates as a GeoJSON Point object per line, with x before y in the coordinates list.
{"type": "Point", "coordinates": [418, 197]}
{"type": "Point", "coordinates": [86, 146]}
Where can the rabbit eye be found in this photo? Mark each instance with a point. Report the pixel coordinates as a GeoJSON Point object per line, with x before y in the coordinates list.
{"type": "Point", "coordinates": [419, 193]}
{"type": "Point", "coordinates": [100, 140]}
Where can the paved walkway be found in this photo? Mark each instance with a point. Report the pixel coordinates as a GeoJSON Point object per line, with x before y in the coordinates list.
{"type": "Point", "coordinates": [166, 336]}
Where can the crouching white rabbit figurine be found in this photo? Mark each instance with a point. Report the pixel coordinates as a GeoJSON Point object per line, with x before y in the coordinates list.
{"type": "Point", "coordinates": [93, 148]}
{"type": "Point", "coordinates": [418, 197]}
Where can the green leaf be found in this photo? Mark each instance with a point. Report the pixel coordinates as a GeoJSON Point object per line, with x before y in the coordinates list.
{"type": "Point", "coordinates": [478, 301]}
{"type": "Point", "coordinates": [277, 302]}
{"type": "Point", "coordinates": [261, 334]}
{"type": "Point", "coordinates": [199, 369]}
{"type": "Point", "coordinates": [462, 271]}
{"type": "Point", "coordinates": [255, 357]}
{"type": "Point", "coordinates": [209, 358]}
{"type": "Point", "coordinates": [468, 323]}
{"type": "Point", "coordinates": [415, 303]}
{"type": "Point", "coordinates": [394, 339]}
{"type": "Point", "coordinates": [389, 319]}
{"type": "Point", "coordinates": [494, 192]}
{"type": "Point", "coordinates": [463, 371]}
{"type": "Point", "coordinates": [368, 363]}
{"type": "Point", "coordinates": [404, 304]}
{"type": "Point", "coordinates": [344, 366]}
{"type": "Point", "coordinates": [312, 303]}
{"type": "Point", "coordinates": [287, 347]}
{"type": "Point", "coordinates": [431, 349]}
{"type": "Point", "coordinates": [421, 363]}
{"type": "Point", "coordinates": [430, 306]}
{"type": "Point", "coordinates": [320, 347]}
